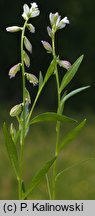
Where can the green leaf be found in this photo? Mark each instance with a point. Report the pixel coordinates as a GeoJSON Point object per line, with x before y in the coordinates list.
{"type": "Point", "coordinates": [50, 70]}
{"type": "Point", "coordinates": [72, 135]}
{"type": "Point", "coordinates": [70, 73]}
{"type": "Point", "coordinates": [72, 93]}
{"type": "Point", "coordinates": [39, 176]}
{"type": "Point", "coordinates": [40, 79]}
{"type": "Point", "coordinates": [51, 116]}
{"type": "Point", "coordinates": [73, 166]}
{"type": "Point", "coordinates": [11, 149]}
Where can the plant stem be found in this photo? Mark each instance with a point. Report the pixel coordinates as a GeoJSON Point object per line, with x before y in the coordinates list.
{"type": "Point", "coordinates": [48, 186]}
{"type": "Point", "coordinates": [23, 126]}
{"type": "Point", "coordinates": [57, 124]}
{"type": "Point", "coordinates": [35, 101]}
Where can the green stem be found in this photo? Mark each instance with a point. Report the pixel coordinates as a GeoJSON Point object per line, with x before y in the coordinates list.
{"type": "Point", "coordinates": [23, 127]}
{"type": "Point", "coordinates": [48, 186]}
{"type": "Point", "coordinates": [57, 124]}
{"type": "Point", "coordinates": [35, 101]}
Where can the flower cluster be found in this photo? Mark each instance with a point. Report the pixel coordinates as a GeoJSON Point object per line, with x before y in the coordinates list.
{"type": "Point", "coordinates": [30, 12]}
{"type": "Point", "coordinates": [33, 11]}
{"type": "Point", "coordinates": [56, 21]}
{"type": "Point", "coordinates": [56, 24]}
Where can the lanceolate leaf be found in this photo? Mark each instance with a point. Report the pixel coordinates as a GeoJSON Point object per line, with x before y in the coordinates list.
{"type": "Point", "coordinates": [71, 167]}
{"type": "Point", "coordinates": [71, 73]}
{"type": "Point", "coordinates": [50, 71]}
{"type": "Point", "coordinates": [72, 135]}
{"type": "Point", "coordinates": [11, 149]}
{"type": "Point", "coordinates": [72, 93]}
{"type": "Point", "coordinates": [39, 177]}
{"type": "Point", "coordinates": [51, 116]}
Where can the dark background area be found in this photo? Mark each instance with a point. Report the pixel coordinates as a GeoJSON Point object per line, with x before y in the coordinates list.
{"type": "Point", "coordinates": [76, 39]}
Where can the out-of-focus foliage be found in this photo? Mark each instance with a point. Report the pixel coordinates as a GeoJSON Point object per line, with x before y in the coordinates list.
{"type": "Point", "coordinates": [78, 38]}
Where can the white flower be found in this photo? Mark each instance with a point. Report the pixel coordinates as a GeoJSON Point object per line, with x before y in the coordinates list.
{"type": "Point", "coordinates": [26, 11]}
{"type": "Point", "coordinates": [34, 10]}
{"type": "Point", "coordinates": [13, 29]}
{"type": "Point", "coordinates": [63, 23]}
{"type": "Point", "coordinates": [30, 12]}
{"type": "Point", "coordinates": [53, 18]}
{"type": "Point", "coordinates": [65, 64]}
{"type": "Point", "coordinates": [32, 78]}
{"type": "Point", "coordinates": [13, 71]}
{"type": "Point", "coordinates": [57, 22]}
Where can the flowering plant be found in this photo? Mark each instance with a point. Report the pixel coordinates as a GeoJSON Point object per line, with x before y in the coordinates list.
{"type": "Point", "coordinates": [22, 111]}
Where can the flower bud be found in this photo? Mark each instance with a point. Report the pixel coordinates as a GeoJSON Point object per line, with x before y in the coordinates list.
{"type": "Point", "coordinates": [49, 31]}
{"type": "Point", "coordinates": [16, 110]}
{"type": "Point", "coordinates": [47, 46]}
{"type": "Point", "coordinates": [32, 78]}
{"type": "Point", "coordinates": [27, 97]}
{"type": "Point", "coordinates": [12, 131]}
{"type": "Point", "coordinates": [31, 28]}
{"type": "Point", "coordinates": [27, 44]}
{"type": "Point", "coordinates": [13, 29]}
{"type": "Point", "coordinates": [65, 64]}
{"type": "Point", "coordinates": [26, 59]}
{"type": "Point", "coordinates": [13, 71]}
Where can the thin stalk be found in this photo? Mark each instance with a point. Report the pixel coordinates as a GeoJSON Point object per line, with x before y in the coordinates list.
{"type": "Point", "coordinates": [48, 187]}
{"type": "Point", "coordinates": [57, 124]}
{"type": "Point", "coordinates": [35, 101]}
{"type": "Point", "coordinates": [23, 127]}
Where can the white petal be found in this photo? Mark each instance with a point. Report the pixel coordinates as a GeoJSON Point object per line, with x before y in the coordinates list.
{"type": "Point", "coordinates": [34, 5]}
{"type": "Point", "coordinates": [26, 9]}
{"type": "Point", "coordinates": [65, 20]}
{"type": "Point", "coordinates": [13, 29]}
{"type": "Point", "coordinates": [51, 17]}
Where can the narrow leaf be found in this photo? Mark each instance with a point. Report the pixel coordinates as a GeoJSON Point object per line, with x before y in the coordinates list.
{"type": "Point", "coordinates": [51, 116]}
{"type": "Point", "coordinates": [11, 149]}
{"type": "Point", "coordinates": [72, 93]}
{"type": "Point", "coordinates": [73, 166]}
{"type": "Point", "coordinates": [72, 135]}
{"type": "Point", "coordinates": [39, 176]}
{"type": "Point", "coordinates": [70, 73]}
{"type": "Point", "coordinates": [50, 71]}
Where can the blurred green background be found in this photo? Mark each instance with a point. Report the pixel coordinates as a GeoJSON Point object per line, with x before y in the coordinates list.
{"type": "Point", "coordinates": [76, 39]}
